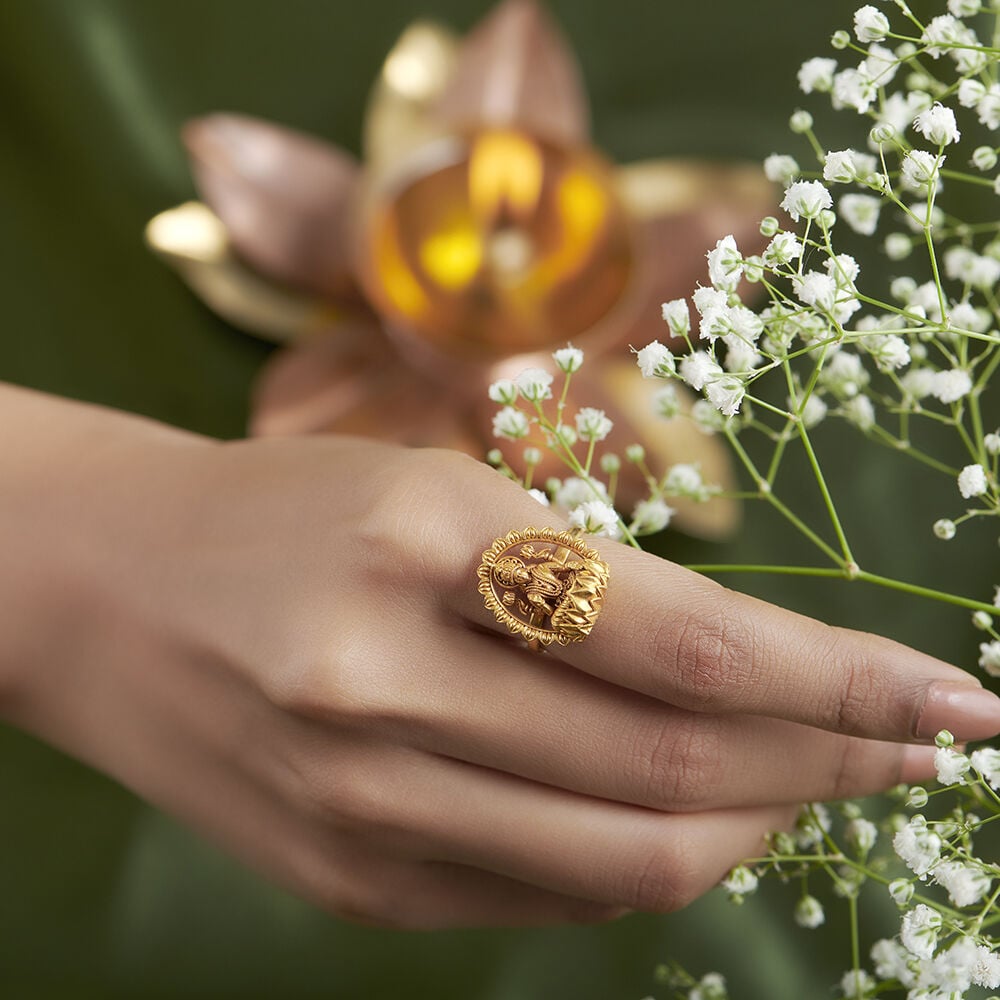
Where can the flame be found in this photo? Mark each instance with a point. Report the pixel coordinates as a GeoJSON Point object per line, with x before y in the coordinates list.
{"type": "Point", "coordinates": [505, 177]}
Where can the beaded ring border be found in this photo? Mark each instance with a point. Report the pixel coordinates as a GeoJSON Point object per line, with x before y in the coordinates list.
{"type": "Point", "coordinates": [544, 585]}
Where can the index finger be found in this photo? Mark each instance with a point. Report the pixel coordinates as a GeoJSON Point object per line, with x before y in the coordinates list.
{"type": "Point", "coordinates": [688, 641]}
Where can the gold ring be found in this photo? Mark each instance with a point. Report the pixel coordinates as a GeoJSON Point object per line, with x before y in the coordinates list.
{"type": "Point", "coordinates": [547, 586]}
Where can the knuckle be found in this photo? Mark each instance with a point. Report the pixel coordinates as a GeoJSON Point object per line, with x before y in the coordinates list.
{"type": "Point", "coordinates": [661, 883]}
{"type": "Point", "coordinates": [856, 686]}
{"type": "Point", "coordinates": [679, 763]}
{"type": "Point", "coordinates": [713, 654]}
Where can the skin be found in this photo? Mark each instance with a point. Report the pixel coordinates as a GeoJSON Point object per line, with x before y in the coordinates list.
{"type": "Point", "coordinates": [280, 642]}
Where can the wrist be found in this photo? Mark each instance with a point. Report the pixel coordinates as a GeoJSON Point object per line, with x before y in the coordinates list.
{"type": "Point", "coordinates": [79, 481]}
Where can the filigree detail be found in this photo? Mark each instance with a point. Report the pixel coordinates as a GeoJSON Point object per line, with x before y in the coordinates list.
{"type": "Point", "coordinates": [550, 592]}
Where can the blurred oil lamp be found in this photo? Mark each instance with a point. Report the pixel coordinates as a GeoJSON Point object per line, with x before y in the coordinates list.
{"type": "Point", "coordinates": [482, 232]}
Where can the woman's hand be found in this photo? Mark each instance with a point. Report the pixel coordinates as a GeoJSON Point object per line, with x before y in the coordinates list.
{"type": "Point", "coordinates": [281, 642]}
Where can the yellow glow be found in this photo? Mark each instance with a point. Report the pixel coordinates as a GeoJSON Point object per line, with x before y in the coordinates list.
{"type": "Point", "coordinates": [453, 255]}
{"type": "Point", "coordinates": [505, 172]}
{"type": "Point", "coordinates": [582, 203]}
{"type": "Point", "coordinates": [396, 279]}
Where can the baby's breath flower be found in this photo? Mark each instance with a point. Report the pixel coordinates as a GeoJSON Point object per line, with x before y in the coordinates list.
{"type": "Point", "coordinates": [740, 882]}
{"type": "Point", "coordinates": [965, 8]}
{"type": "Point", "coordinates": [898, 246]}
{"type": "Point", "coordinates": [970, 93]}
{"type": "Point", "coordinates": [801, 121]}
{"type": "Point", "coordinates": [937, 125]}
{"type": "Point", "coordinates": [870, 24]}
{"type": "Point", "coordinates": [813, 411]}
{"type": "Point", "coordinates": [951, 385]}
{"type": "Point", "coordinates": [945, 529]}
{"type": "Point", "coordinates": [503, 391]}
{"type": "Point", "coordinates": [511, 424]}
{"type": "Point", "coordinates": [965, 884]}
{"type": "Point", "coordinates": [593, 424]}
{"type": "Point", "coordinates": [853, 88]}
{"type": "Point", "coordinates": [919, 931]}
{"type": "Point", "coordinates": [812, 823]}
{"type": "Point", "coordinates": [535, 384]}
{"type": "Point", "coordinates": [861, 834]}
{"type": "Point", "coordinates": [697, 368]}
{"type": "Point", "coordinates": [856, 984]}
{"type": "Point", "coordinates": [725, 392]}
{"type": "Point", "coordinates": [769, 226]}
{"type": "Point", "coordinates": [991, 442]}
{"type": "Point", "coordinates": [986, 972]}
{"type": "Point", "coordinates": [573, 491]}
{"type": "Point", "coordinates": [781, 169]}
{"type": "Point", "coordinates": [684, 480]}
{"type": "Point", "coordinates": [706, 417]}
{"type": "Point", "coordinates": [655, 360]}
{"type": "Point", "coordinates": [610, 463]}
{"type": "Point", "coordinates": [940, 34]}
{"type": "Point", "coordinates": [917, 797]}
{"type": "Point", "coordinates": [783, 249]}
{"type": "Point", "coordinates": [809, 913]}
{"type": "Point", "coordinates": [650, 516]}
{"type": "Point", "coordinates": [859, 411]}
{"type": "Point", "coordinates": [847, 165]}
{"type": "Point", "coordinates": [806, 199]}
{"type": "Point", "coordinates": [711, 986]}
{"type": "Point", "coordinates": [568, 359]}
{"type": "Point", "coordinates": [984, 158]}
{"type": "Point", "coordinates": [595, 518]}
{"type": "Point", "coordinates": [861, 212]}
{"type": "Point", "coordinates": [539, 496]}
{"type": "Point", "coordinates": [725, 264]}
{"type": "Point", "coordinates": [918, 847]}
{"type": "Point", "coordinates": [892, 961]}
{"type": "Point", "coordinates": [972, 481]}
{"type": "Point", "coordinates": [667, 402]}
{"type": "Point", "coordinates": [677, 316]}
{"type": "Point", "coordinates": [951, 766]}
{"type": "Point", "coordinates": [982, 620]}
{"type": "Point", "coordinates": [989, 657]}
{"type": "Point", "coordinates": [919, 169]}
{"type": "Point", "coordinates": [817, 74]}
{"type": "Point", "coordinates": [986, 763]}
{"type": "Point", "coordinates": [988, 107]}
{"type": "Point", "coordinates": [635, 453]}
{"type": "Point", "coordinates": [901, 890]}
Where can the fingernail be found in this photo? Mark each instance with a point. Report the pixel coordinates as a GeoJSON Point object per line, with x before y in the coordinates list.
{"type": "Point", "coordinates": [918, 764]}
{"type": "Point", "coordinates": [967, 712]}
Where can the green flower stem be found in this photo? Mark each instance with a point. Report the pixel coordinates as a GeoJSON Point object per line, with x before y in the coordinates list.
{"type": "Point", "coordinates": [804, 528]}
{"type": "Point", "coordinates": [899, 444]}
{"type": "Point", "coordinates": [827, 498]}
{"type": "Point", "coordinates": [845, 573]}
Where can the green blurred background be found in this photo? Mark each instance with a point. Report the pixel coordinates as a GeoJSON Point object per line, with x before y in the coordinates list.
{"type": "Point", "coordinates": [101, 897]}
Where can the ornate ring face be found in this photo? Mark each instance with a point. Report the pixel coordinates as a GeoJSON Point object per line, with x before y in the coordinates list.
{"type": "Point", "coordinates": [545, 585]}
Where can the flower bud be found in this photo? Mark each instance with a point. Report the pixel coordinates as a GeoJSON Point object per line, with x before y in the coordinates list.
{"type": "Point", "coordinates": [982, 620]}
{"type": "Point", "coordinates": [532, 456]}
{"type": "Point", "coordinates": [883, 132]}
{"type": "Point", "coordinates": [984, 158]}
{"type": "Point", "coordinates": [610, 463]}
{"type": "Point", "coordinates": [801, 121]}
{"type": "Point", "coordinates": [840, 39]}
{"type": "Point", "coordinates": [494, 457]}
{"type": "Point", "coordinates": [917, 798]}
{"type": "Point", "coordinates": [769, 226]}
{"type": "Point", "coordinates": [944, 739]}
{"type": "Point", "coordinates": [901, 890]}
{"type": "Point", "coordinates": [635, 453]}
{"type": "Point", "coordinates": [944, 529]}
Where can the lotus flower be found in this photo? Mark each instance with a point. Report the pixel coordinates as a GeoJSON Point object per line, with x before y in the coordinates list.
{"type": "Point", "coordinates": [482, 231]}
